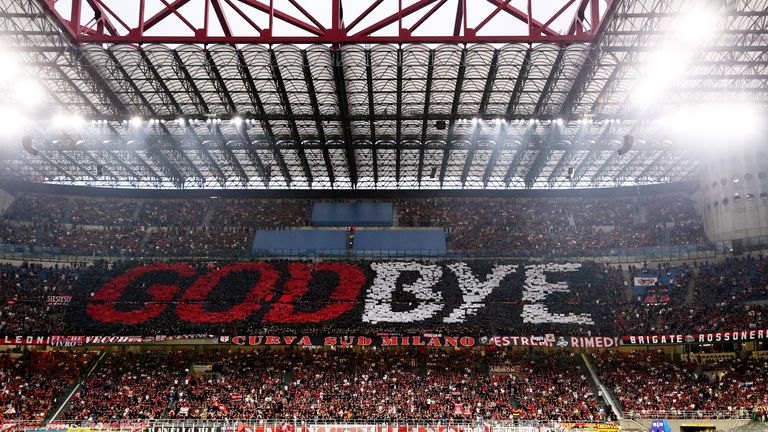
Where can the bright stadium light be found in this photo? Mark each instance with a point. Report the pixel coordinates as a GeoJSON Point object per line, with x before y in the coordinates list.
{"type": "Point", "coordinates": [10, 66]}
{"type": "Point", "coordinates": [181, 121]}
{"type": "Point", "coordinates": [76, 121]}
{"type": "Point", "coordinates": [59, 121]}
{"type": "Point", "coordinates": [723, 122]}
{"type": "Point", "coordinates": [697, 24]}
{"type": "Point", "coordinates": [136, 122]}
{"type": "Point", "coordinates": [236, 120]}
{"type": "Point", "coordinates": [14, 121]}
{"type": "Point", "coordinates": [670, 63]}
{"type": "Point", "coordinates": [28, 92]}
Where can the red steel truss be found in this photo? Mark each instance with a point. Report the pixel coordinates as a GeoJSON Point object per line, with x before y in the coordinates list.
{"type": "Point", "coordinates": [263, 22]}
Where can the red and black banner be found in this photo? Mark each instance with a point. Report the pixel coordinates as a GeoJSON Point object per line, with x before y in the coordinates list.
{"type": "Point", "coordinates": [187, 298]}
{"type": "Point", "coordinates": [362, 341]}
{"type": "Point", "coordinates": [699, 338]}
{"type": "Point", "coordinates": [259, 303]}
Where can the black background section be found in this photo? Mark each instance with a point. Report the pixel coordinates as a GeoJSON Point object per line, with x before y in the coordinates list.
{"type": "Point", "coordinates": [500, 315]}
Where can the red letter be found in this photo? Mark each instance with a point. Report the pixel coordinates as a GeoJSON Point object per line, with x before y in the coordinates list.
{"type": "Point", "coordinates": [342, 299]}
{"type": "Point", "coordinates": [111, 292]}
{"type": "Point", "coordinates": [192, 308]}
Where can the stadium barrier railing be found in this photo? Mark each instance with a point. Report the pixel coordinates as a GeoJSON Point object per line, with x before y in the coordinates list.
{"type": "Point", "coordinates": [403, 425]}
{"type": "Point", "coordinates": [708, 250]}
{"type": "Point", "coordinates": [690, 415]}
{"type": "Point", "coordinates": [297, 425]}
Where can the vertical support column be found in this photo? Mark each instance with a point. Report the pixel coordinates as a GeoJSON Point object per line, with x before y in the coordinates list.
{"type": "Point", "coordinates": [75, 16]}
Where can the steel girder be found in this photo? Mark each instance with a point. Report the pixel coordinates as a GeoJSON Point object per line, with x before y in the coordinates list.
{"type": "Point", "coordinates": [341, 93]}
{"type": "Point", "coordinates": [454, 111]}
{"type": "Point", "coordinates": [308, 22]}
{"type": "Point", "coordinates": [417, 94]}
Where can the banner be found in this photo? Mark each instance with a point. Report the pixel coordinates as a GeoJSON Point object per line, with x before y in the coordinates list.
{"type": "Point", "coordinates": [363, 341]}
{"type": "Point", "coordinates": [364, 294]}
{"type": "Point", "coordinates": [182, 428]}
{"type": "Point", "coordinates": [603, 427]}
{"type": "Point", "coordinates": [391, 340]}
{"type": "Point", "coordinates": [646, 281]}
{"type": "Point", "coordinates": [200, 368]}
{"type": "Point", "coordinates": [551, 340]}
{"type": "Point", "coordinates": [502, 370]}
{"type": "Point", "coordinates": [341, 427]}
{"type": "Point", "coordinates": [679, 339]}
{"type": "Point", "coordinates": [60, 300]}
{"type": "Point", "coordinates": [75, 341]}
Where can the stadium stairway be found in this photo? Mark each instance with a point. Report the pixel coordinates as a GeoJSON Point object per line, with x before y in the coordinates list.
{"type": "Point", "coordinates": [395, 214]}
{"type": "Point", "coordinates": [60, 407]}
{"type": "Point", "coordinates": [607, 395]}
{"type": "Point", "coordinates": [690, 297]}
{"type": "Point", "coordinates": [137, 211]}
{"type": "Point", "coordinates": [66, 214]}
{"type": "Point", "coordinates": [753, 426]}
{"type": "Point", "coordinates": [145, 238]}
{"type": "Point", "coordinates": [629, 282]}
{"type": "Point", "coordinates": [209, 211]}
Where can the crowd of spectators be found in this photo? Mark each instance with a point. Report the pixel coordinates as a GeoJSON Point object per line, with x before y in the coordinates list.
{"type": "Point", "coordinates": [45, 209]}
{"type": "Point", "coordinates": [17, 234]}
{"type": "Point", "coordinates": [100, 241]}
{"type": "Point", "coordinates": [340, 384]}
{"type": "Point", "coordinates": [510, 226]}
{"type": "Point", "coordinates": [258, 213]}
{"type": "Point", "coordinates": [550, 386]}
{"type": "Point", "coordinates": [173, 213]}
{"type": "Point", "coordinates": [733, 279]}
{"type": "Point", "coordinates": [35, 299]}
{"type": "Point", "coordinates": [202, 242]}
{"type": "Point", "coordinates": [30, 384]}
{"type": "Point", "coordinates": [109, 212]}
{"type": "Point", "coordinates": [644, 381]}
{"type": "Point", "coordinates": [648, 381]}
{"type": "Point", "coordinates": [557, 226]}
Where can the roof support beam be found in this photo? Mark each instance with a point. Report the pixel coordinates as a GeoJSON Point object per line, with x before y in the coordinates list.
{"type": "Point", "coordinates": [399, 121]}
{"type": "Point", "coordinates": [425, 123]}
{"type": "Point", "coordinates": [189, 83]}
{"type": "Point", "coordinates": [245, 75]}
{"type": "Point", "coordinates": [278, 77]}
{"type": "Point", "coordinates": [546, 94]}
{"type": "Point", "coordinates": [454, 111]}
{"type": "Point", "coordinates": [179, 182]}
{"type": "Point", "coordinates": [114, 156]}
{"type": "Point", "coordinates": [512, 169]}
{"type": "Point", "coordinates": [522, 78]}
{"type": "Point", "coordinates": [310, 83]}
{"type": "Point", "coordinates": [592, 62]}
{"type": "Point", "coordinates": [622, 174]}
{"type": "Point", "coordinates": [538, 164]}
{"type": "Point", "coordinates": [514, 101]}
{"type": "Point", "coordinates": [221, 88]}
{"type": "Point", "coordinates": [492, 70]}
{"type": "Point", "coordinates": [34, 167]}
{"type": "Point", "coordinates": [644, 176]}
{"type": "Point", "coordinates": [58, 167]}
{"type": "Point", "coordinates": [79, 166]}
{"type": "Point", "coordinates": [605, 167]}
{"type": "Point", "coordinates": [372, 112]}
{"type": "Point", "coordinates": [341, 93]}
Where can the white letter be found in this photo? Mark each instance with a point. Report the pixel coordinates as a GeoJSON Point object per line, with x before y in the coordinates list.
{"type": "Point", "coordinates": [537, 289]}
{"type": "Point", "coordinates": [378, 304]}
{"type": "Point", "coordinates": [473, 291]}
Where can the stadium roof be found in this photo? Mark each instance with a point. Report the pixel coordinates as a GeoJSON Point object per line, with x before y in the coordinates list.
{"type": "Point", "coordinates": [426, 94]}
